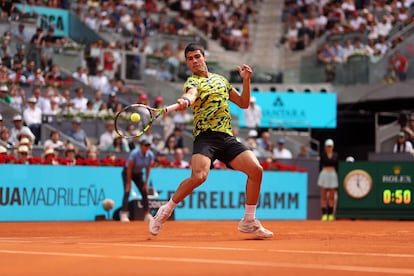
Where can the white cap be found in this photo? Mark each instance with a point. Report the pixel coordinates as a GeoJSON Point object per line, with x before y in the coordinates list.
{"type": "Point", "coordinates": [17, 117]}
{"type": "Point", "coordinates": [252, 133]}
{"type": "Point", "coordinates": [32, 100]}
{"type": "Point", "coordinates": [329, 142]}
{"type": "Point", "coordinates": [4, 88]}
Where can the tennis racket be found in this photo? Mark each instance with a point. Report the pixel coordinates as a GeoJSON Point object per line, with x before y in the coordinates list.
{"type": "Point", "coordinates": [141, 116]}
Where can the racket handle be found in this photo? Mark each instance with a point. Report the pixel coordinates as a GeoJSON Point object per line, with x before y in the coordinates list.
{"type": "Point", "coordinates": [172, 107]}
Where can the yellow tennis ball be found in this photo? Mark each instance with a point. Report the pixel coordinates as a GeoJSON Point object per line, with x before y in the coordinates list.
{"type": "Point", "coordinates": [135, 117]}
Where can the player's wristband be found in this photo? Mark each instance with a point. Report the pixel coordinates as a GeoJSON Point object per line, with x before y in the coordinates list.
{"type": "Point", "coordinates": [187, 100]}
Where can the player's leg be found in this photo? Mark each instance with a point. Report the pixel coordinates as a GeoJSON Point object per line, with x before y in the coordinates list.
{"type": "Point", "coordinates": [330, 203]}
{"type": "Point", "coordinates": [123, 213]}
{"type": "Point", "coordinates": [324, 203]}
{"type": "Point", "coordinates": [139, 182]}
{"type": "Point", "coordinates": [247, 162]}
{"type": "Point", "coordinates": [200, 168]}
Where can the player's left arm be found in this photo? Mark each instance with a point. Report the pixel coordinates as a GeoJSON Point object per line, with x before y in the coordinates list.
{"type": "Point", "coordinates": [243, 99]}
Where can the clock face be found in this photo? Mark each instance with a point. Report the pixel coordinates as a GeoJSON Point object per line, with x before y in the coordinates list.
{"type": "Point", "coordinates": [358, 184]}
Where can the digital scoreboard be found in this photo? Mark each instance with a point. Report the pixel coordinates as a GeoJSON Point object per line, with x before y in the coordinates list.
{"type": "Point", "coordinates": [378, 190]}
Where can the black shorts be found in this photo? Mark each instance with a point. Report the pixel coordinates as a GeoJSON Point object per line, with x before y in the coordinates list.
{"type": "Point", "coordinates": [218, 145]}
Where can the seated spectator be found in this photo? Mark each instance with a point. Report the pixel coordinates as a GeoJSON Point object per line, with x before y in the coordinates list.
{"type": "Point", "coordinates": [107, 138]}
{"type": "Point", "coordinates": [402, 144]}
{"type": "Point", "coordinates": [17, 96]}
{"type": "Point", "coordinates": [81, 74]}
{"type": "Point", "coordinates": [17, 77]}
{"type": "Point", "coordinates": [119, 144]}
{"type": "Point", "coordinates": [5, 137]}
{"type": "Point", "coordinates": [170, 145]}
{"type": "Point", "coordinates": [179, 161]}
{"type": "Point", "coordinates": [54, 77]}
{"type": "Point", "coordinates": [49, 156]}
{"type": "Point", "coordinates": [70, 155]}
{"type": "Point", "coordinates": [4, 94]}
{"type": "Point", "coordinates": [112, 102]}
{"type": "Point", "coordinates": [161, 160]}
{"type": "Point", "coordinates": [32, 116]}
{"type": "Point", "coordinates": [22, 155]}
{"type": "Point", "coordinates": [90, 112]}
{"type": "Point", "coordinates": [97, 100]}
{"type": "Point", "coordinates": [179, 139]}
{"type": "Point", "coordinates": [18, 128]}
{"type": "Point", "coordinates": [280, 152]}
{"type": "Point", "coordinates": [54, 141]}
{"type": "Point", "coordinates": [264, 140]}
{"type": "Point", "coordinates": [304, 152]}
{"type": "Point", "coordinates": [100, 81]}
{"type": "Point", "coordinates": [164, 74]}
{"type": "Point", "coordinates": [79, 101]}
{"type": "Point", "coordinates": [29, 70]}
{"type": "Point", "coordinates": [251, 143]}
{"type": "Point", "coordinates": [77, 133]}
{"type": "Point", "coordinates": [4, 152]}
{"type": "Point", "coordinates": [37, 79]}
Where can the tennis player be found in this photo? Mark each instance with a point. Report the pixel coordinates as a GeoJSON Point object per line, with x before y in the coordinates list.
{"type": "Point", "coordinates": [208, 95]}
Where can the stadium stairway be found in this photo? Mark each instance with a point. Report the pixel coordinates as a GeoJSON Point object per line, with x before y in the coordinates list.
{"type": "Point", "coordinates": [263, 33]}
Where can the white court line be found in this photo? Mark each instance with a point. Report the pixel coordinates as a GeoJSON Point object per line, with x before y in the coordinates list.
{"type": "Point", "coordinates": [366, 254]}
{"type": "Point", "coordinates": [320, 252]}
{"type": "Point", "coordinates": [368, 269]}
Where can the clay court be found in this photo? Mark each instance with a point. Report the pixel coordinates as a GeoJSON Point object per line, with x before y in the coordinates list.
{"type": "Point", "coordinates": [342, 247]}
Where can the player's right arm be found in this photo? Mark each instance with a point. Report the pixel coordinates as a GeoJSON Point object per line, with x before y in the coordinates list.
{"type": "Point", "coordinates": [187, 99]}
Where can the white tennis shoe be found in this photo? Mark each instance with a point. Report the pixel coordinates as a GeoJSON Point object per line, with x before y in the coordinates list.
{"type": "Point", "coordinates": [161, 216]}
{"type": "Point", "coordinates": [123, 216]}
{"type": "Point", "coordinates": [254, 227]}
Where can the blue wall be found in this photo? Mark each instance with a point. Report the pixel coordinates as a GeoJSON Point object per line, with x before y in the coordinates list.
{"type": "Point", "coordinates": [294, 110]}
{"type": "Point", "coordinates": [62, 193]}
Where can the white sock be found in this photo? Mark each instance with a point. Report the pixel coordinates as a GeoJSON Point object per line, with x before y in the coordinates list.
{"type": "Point", "coordinates": [171, 204]}
{"type": "Point", "coordinates": [250, 212]}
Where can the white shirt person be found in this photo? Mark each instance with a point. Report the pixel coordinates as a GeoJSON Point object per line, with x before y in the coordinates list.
{"type": "Point", "coordinates": [253, 114]}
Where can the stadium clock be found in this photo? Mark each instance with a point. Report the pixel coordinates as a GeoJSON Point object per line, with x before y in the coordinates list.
{"type": "Point", "coordinates": [358, 184]}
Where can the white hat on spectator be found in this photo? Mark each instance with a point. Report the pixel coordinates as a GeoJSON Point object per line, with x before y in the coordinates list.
{"type": "Point", "coordinates": [23, 148]}
{"type": "Point", "coordinates": [24, 141]}
{"type": "Point", "coordinates": [32, 100]}
{"type": "Point", "coordinates": [252, 133]}
{"type": "Point", "coordinates": [49, 151]}
{"type": "Point", "coordinates": [17, 117]}
{"type": "Point", "coordinates": [3, 149]}
{"type": "Point", "coordinates": [1, 117]}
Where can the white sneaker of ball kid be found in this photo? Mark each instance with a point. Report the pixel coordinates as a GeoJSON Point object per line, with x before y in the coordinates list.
{"type": "Point", "coordinates": [123, 216]}
{"type": "Point", "coordinates": [161, 216]}
{"type": "Point", "coordinates": [254, 227]}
